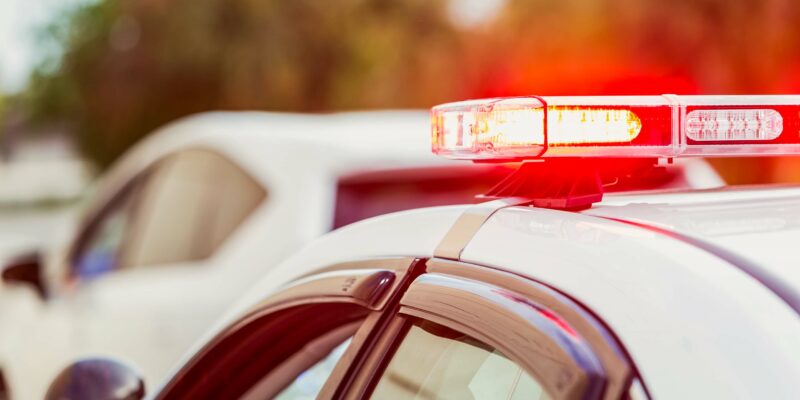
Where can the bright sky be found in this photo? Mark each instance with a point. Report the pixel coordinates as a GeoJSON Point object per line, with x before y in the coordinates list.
{"type": "Point", "coordinates": [19, 21]}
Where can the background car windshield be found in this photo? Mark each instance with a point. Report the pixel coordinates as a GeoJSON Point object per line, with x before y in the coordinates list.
{"type": "Point", "coordinates": [367, 195]}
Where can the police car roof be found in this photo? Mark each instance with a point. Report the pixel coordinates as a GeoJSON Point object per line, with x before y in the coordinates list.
{"type": "Point", "coordinates": [665, 297]}
{"type": "Point", "coordinates": [759, 223]}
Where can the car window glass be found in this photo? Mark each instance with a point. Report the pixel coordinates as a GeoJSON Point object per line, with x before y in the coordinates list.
{"type": "Point", "coordinates": [180, 209]}
{"type": "Point", "coordinates": [194, 202]}
{"type": "Point", "coordinates": [308, 384]}
{"type": "Point", "coordinates": [289, 354]}
{"type": "Point", "coordinates": [100, 246]}
{"type": "Point", "coordinates": [435, 362]}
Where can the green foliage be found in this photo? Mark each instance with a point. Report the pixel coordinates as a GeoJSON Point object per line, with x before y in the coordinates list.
{"type": "Point", "coordinates": [131, 66]}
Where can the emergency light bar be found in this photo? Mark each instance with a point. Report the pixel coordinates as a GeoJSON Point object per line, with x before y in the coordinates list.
{"type": "Point", "coordinates": [617, 126]}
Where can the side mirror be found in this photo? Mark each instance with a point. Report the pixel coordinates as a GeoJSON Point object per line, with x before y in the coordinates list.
{"type": "Point", "coordinates": [96, 379]}
{"type": "Point", "coordinates": [26, 269]}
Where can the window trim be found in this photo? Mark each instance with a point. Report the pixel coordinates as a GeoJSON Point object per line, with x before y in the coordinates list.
{"type": "Point", "coordinates": [381, 332]}
{"type": "Point", "coordinates": [619, 370]}
{"type": "Point", "coordinates": [364, 283]}
{"type": "Point", "coordinates": [611, 362]}
{"type": "Point", "coordinates": [462, 305]}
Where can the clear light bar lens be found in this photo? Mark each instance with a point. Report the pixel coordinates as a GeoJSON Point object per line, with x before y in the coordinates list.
{"type": "Point", "coordinates": [513, 127]}
{"type": "Point", "coordinates": [508, 127]}
{"type": "Point", "coordinates": [733, 125]}
{"type": "Point", "coordinates": [575, 125]}
{"type": "Point", "coordinates": [617, 126]}
{"type": "Point", "coordinates": [516, 127]}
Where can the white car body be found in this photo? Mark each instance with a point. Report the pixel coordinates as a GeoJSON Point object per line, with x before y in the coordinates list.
{"type": "Point", "coordinates": [700, 287]}
{"type": "Point", "coordinates": [140, 314]}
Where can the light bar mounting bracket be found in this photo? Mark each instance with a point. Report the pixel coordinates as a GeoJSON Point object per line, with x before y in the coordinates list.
{"type": "Point", "coordinates": [569, 183]}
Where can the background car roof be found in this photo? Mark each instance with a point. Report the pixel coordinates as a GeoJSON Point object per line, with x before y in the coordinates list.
{"type": "Point", "coordinates": [395, 137]}
{"type": "Point", "coordinates": [267, 145]}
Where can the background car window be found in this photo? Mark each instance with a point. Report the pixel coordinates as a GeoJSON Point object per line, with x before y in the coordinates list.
{"type": "Point", "coordinates": [370, 194]}
{"type": "Point", "coordinates": [193, 203]}
{"type": "Point", "coordinates": [101, 244]}
{"type": "Point", "coordinates": [182, 209]}
{"type": "Point", "coordinates": [436, 362]}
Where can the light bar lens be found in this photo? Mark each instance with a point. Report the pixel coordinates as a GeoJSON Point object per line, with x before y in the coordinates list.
{"type": "Point", "coordinates": [499, 128]}
{"type": "Point", "coordinates": [622, 126]}
{"type": "Point", "coordinates": [511, 128]}
{"type": "Point", "coordinates": [574, 125]}
{"type": "Point", "coordinates": [733, 125]}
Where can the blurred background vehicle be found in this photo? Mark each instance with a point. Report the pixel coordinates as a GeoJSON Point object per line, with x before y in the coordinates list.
{"type": "Point", "coordinates": [190, 218]}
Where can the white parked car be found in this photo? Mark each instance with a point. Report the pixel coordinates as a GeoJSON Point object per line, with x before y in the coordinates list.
{"type": "Point", "coordinates": [192, 216]}
{"type": "Point", "coordinates": [554, 290]}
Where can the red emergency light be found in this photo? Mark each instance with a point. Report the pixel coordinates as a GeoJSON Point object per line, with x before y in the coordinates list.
{"type": "Point", "coordinates": [617, 126]}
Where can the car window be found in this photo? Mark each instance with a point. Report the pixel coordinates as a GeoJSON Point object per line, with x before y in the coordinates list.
{"type": "Point", "coordinates": [190, 207]}
{"type": "Point", "coordinates": [181, 209]}
{"type": "Point", "coordinates": [289, 354]}
{"type": "Point", "coordinates": [436, 362]}
{"type": "Point", "coordinates": [366, 195]}
{"type": "Point", "coordinates": [100, 245]}
{"type": "Point", "coordinates": [308, 383]}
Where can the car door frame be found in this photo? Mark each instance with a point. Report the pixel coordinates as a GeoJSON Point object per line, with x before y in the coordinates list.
{"type": "Point", "coordinates": [427, 297]}
{"type": "Point", "coordinates": [373, 284]}
{"type": "Point", "coordinates": [407, 284]}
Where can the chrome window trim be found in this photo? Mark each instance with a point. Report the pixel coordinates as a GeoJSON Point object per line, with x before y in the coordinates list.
{"type": "Point", "coordinates": [369, 283]}
{"type": "Point", "coordinates": [559, 360]}
{"type": "Point", "coordinates": [616, 364]}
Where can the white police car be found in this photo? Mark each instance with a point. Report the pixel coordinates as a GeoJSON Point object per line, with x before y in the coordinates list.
{"type": "Point", "coordinates": [548, 291]}
{"type": "Point", "coordinates": [191, 217]}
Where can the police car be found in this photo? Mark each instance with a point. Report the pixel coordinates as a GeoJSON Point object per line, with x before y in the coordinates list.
{"type": "Point", "coordinates": [191, 217]}
{"type": "Point", "coordinates": [551, 288]}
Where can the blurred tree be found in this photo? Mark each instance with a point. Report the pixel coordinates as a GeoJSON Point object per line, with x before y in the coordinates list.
{"type": "Point", "coordinates": [130, 66]}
